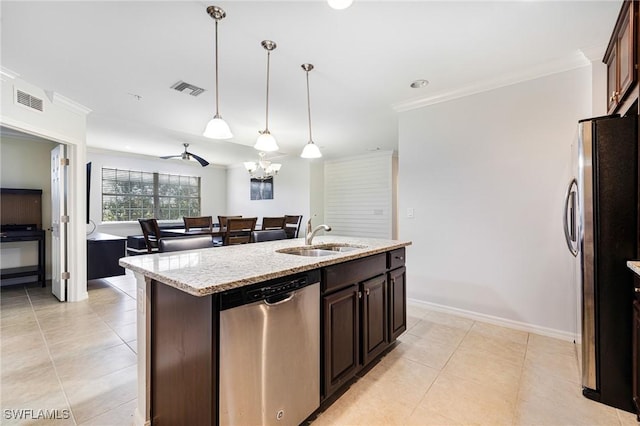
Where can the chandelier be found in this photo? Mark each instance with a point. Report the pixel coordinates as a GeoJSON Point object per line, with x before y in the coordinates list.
{"type": "Point", "coordinates": [262, 169]}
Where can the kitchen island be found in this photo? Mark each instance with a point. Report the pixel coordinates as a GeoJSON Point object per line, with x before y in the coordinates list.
{"type": "Point", "coordinates": [362, 304]}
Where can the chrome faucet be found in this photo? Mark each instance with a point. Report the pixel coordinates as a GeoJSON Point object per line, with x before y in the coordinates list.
{"type": "Point", "coordinates": [308, 239]}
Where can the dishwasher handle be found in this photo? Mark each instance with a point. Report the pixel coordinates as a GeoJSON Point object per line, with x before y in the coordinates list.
{"type": "Point", "coordinates": [279, 299]}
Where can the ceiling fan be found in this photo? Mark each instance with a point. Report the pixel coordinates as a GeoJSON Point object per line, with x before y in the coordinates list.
{"type": "Point", "coordinates": [187, 156]}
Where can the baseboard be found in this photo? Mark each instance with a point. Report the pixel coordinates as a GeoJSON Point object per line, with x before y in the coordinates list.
{"type": "Point", "coordinates": [139, 420]}
{"type": "Point", "coordinates": [503, 322]}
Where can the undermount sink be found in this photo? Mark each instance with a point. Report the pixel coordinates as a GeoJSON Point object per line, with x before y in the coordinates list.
{"type": "Point", "coordinates": [307, 252]}
{"type": "Point", "coordinates": [320, 250]}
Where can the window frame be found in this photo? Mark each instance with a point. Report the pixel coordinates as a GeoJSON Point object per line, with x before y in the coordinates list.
{"type": "Point", "coordinates": [183, 192]}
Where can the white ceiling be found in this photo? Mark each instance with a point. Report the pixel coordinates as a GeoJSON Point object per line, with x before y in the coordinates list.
{"type": "Point", "coordinates": [365, 57]}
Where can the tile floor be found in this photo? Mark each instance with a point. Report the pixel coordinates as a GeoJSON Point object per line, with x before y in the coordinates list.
{"type": "Point", "coordinates": [77, 360]}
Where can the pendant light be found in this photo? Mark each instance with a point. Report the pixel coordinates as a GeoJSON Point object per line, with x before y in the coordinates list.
{"type": "Point", "coordinates": [266, 142]}
{"type": "Point", "coordinates": [217, 128]}
{"type": "Point", "coordinates": [310, 150]}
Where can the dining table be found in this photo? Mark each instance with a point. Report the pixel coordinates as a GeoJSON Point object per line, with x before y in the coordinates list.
{"type": "Point", "coordinates": [181, 232]}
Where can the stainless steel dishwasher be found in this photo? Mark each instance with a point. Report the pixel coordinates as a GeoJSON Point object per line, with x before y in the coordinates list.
{"type": "Point", "coordinates": [270, 352]}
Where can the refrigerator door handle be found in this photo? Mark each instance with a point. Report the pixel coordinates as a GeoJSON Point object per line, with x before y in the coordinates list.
{"type": "Point", "coordinates": [569, 235]}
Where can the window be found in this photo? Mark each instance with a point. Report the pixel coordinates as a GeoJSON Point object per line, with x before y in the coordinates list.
{"type": "Point", "coordinates": [129, 195]}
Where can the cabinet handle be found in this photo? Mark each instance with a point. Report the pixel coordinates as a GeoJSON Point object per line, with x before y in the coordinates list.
{"type": "Point", "coordinates": [367, 291]}
{"type": "Point", "coordinates": [400, 257]}
{"type": "Point", "coordinates": [359, 295]}
{"type": "Point", "coordinates": [637, 289]}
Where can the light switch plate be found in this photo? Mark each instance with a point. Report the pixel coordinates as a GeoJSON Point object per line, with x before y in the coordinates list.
{"type": "Point", "coordinates": [410, 212]}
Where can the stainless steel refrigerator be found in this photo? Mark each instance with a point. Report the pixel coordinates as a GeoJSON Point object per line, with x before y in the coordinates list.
{"type": "Point", "coordinates": [601, 229]}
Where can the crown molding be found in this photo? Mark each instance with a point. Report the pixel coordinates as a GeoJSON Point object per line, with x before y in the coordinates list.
{"type": "Point", "coordinates": [576, 60]}
{"type": "Point", "coordinates": [74, 106]}
{"type": "Point", "coordinates": [6, 74]}
{"type": "Point", "coordinates": [594, 53]}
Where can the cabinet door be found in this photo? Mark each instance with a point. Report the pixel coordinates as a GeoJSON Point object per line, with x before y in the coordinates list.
{"type": "Point", "coordinates": [374, 318]}
{"type": "Point", "coordinates": [612, 79]}
{"type": "Point", "coordinates": [626, 63]}
{"type": "Point", "coordinates": [636, 355]}
{"type": "Point", "coordinates": [341, 338]}
{"type": "Point", "coordinates": [397, 302]}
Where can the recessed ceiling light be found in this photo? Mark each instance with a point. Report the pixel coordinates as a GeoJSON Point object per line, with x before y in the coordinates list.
{"type": "Point", "coordinates": [419, 84]}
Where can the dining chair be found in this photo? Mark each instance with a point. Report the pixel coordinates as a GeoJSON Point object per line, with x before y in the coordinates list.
{"type": "Point", "coordinates": [222, 220]}
{"type": "Point", "coordinates": [292, 225]}
{"type": "Point", "coordinates": [198, 222]}
{"type": "Point", "coordinates": [238, 230]}
{"type": "Point", "coordinates": [268, 235]}
{"type": "Point", "coordinates": [184, 243]}
{"type": "Point", "coordinates": [151, 233]}
{"type": "Point", "coordinates": [272, 223]}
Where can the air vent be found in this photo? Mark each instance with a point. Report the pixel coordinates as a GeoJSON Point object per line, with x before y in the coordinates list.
{"type": "Point", "coordinates": [23, 98]}
{"type": "Point", "coordinates": [181, 86]}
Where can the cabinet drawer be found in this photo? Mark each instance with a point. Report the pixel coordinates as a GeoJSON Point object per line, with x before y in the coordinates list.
{"type": "Point", "coordinates": [344, 274]}
{"type": "Point", "coordinates": [395, 258]}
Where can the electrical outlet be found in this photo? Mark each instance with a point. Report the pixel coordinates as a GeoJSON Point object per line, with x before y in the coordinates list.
{"type": "Point", "coordinates": [410, 212]}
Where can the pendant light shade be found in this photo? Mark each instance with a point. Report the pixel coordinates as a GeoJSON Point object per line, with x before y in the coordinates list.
{"type": "Point", "coordinates": [266, 142]}
{"type": "Point", "coordinates": [217, 128]}
{"type": "Point", "coordinates": [310, 150]}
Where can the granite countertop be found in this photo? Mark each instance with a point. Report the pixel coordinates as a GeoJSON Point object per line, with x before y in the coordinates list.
{"type": "Point", "coordinates": [634, 265]}
{"type": "Point", "coordinates": [213, 270]}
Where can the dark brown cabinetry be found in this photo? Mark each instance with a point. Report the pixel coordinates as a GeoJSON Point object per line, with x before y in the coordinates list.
{"type": "Point", "coordinates": [620, 57]}
{"type": "Point", "coordinates": [341, 337]}
{"type": "Point", "coordinates": [375, 328]}
{"type": "Point", "coordinates": [364, 310]}
{"type": "Point", "coordinates": [103, 253]}
{"type": "Point", "coordinates": [397, 302]}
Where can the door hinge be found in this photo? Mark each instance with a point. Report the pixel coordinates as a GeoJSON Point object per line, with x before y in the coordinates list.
{"type": "Point", "coordinates": [64, 161]}
{"type": "Point", "coordinates": [65, 276]}
{"type": "Point", "coordinates": [64, 219]}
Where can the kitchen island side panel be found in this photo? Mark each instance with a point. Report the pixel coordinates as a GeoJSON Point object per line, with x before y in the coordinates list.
{"type": "Point", "coordinates": [183, 357]}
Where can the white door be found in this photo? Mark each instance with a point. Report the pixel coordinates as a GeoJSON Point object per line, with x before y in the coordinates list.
{"type": "Point", "coordinates": [59, 223]}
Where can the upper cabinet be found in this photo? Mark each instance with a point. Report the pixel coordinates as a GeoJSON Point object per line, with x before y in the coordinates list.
{"type": "Point", "coordinates": [620, 57]}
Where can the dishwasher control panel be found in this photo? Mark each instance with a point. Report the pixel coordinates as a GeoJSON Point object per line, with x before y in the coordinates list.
{"type": "Point", "coordinates": [268, 289]}
{"type": "Point", "coordinates": [273, 290]}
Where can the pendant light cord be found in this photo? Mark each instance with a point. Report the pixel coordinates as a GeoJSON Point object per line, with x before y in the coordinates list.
{"type": "Point", "coordinates": [266, 128]}
{"type": "Point", "coordinates": [309, 107]}
{"type": "Point", "coordinates": [217, 112]}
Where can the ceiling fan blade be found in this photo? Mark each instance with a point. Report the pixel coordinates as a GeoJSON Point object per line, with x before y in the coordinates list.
{"type": "Point", "coordinates": [202, 161]}
{"type": "Point", "coordinates": [166, 157]}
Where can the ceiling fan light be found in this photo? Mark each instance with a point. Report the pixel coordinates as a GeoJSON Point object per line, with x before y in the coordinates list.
{"type": "Point", "coordinates": [311, 150]}
{"type": "Point", "coordinates": [266, 142]}
{"type": "Point", "coordinates": [217, 128]}
{"type": "Point", "coordinates": [340, 4]}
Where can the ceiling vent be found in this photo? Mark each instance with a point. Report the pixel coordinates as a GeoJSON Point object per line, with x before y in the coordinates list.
{"type": "Point", "coordinates": [181, 86]}
{"type": "Point", "coordinates": [31, 102]}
